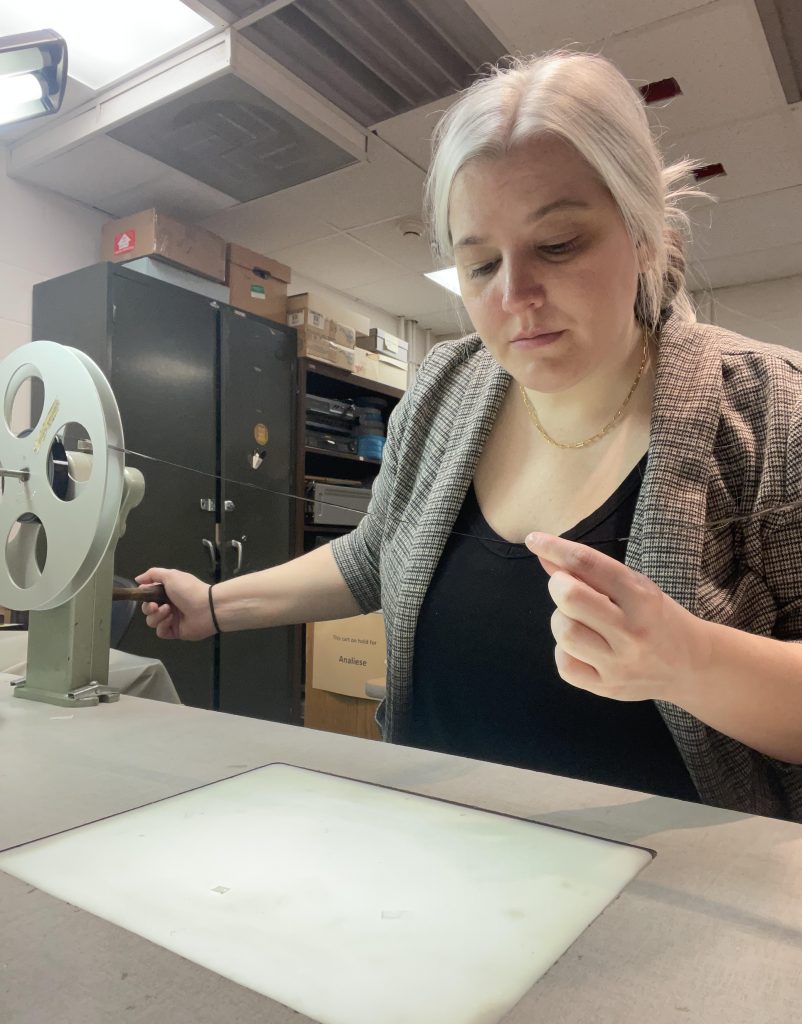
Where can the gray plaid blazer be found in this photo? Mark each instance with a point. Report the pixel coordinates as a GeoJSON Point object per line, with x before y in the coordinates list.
{"type": "Point", "coordinates": [725, 441]}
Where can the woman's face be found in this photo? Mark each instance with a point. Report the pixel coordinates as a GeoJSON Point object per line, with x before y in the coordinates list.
{"type": "Point", "coordinates": [541, 249]}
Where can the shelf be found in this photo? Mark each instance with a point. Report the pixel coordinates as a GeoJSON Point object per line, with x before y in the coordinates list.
{"type": "Point", "coordinates": [335, 373]}
{"type": "Point", "coordinates": [342, 455]}
{"type": "Point", "coordinates": [329, 528]}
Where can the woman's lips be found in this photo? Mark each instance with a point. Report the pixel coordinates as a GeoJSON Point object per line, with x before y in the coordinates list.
{"type": "Point", "coordinates": [538, 341]}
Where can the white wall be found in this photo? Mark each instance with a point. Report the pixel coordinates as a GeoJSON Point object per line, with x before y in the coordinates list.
{"type": "Point", "coordinates": [378, 317]}
{"type": "Point", "coordinates": [767, 310]}
{"type": "Point", "coordinates": [42, 235]}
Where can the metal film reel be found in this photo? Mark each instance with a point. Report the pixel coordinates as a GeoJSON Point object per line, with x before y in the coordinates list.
{"type": "Point", "coordinates": [54, 528]}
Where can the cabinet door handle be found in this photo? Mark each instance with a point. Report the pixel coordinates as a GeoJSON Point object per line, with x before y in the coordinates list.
{"type": "Point", "coordinates": [237, 546]}
{"type": "Point", "coordinates": [212, 553]}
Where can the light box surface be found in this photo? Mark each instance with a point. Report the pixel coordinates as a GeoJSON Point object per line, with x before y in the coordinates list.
{"type": "Point", "coordinates": [349, 902]}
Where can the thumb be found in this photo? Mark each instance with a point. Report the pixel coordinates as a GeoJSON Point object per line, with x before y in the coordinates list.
{"type": "Point", "coordinates": [154, 575]}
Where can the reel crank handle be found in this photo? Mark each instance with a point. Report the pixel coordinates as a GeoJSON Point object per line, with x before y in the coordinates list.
{"type": "Point", "coordinates": [148, 592]}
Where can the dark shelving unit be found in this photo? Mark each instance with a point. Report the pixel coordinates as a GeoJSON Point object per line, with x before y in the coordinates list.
{"type": "Point", "coordinates": [333, 711]}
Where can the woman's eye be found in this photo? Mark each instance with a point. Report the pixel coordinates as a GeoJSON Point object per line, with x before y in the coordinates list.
{"type": "Point", "coordinates": [484, 270]}
{"type": "Point", "coordinates": [560, 248]}
{"type": "Point", "coordinates": [556, 249]}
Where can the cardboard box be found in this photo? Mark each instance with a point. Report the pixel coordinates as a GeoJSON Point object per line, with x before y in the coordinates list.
{"type": "Point", "coordinates": [313, 324]}
{"type": "Point", "coordinates": [257, 284]}
{"type": "Point", "coordinates": [152, 233]}
{"type": "Point", "coordinates": [366, 364]}
{"type": "Point", "coordinates": [313, 345]}
{"type": "Point", "coordinates": [383, 369]}
{"type": "Point", "coordinates": [384, 342]}
{"type": "Point", "coordinates": [328, 318]}
{"type": "Point", "coordinates": [392, 372]}
{"type": "Point", "coordinates": [347, 654]}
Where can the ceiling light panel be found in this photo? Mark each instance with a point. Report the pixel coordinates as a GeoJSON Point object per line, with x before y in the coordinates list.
{"type": "Point", "coordinates": [448, 278]}
{"type": "Point", "coordinates": [107, 41]}
{"type": "Point", "coordinates": [375, 59]}
{"type": "Point", "coordinates": [232, 137]}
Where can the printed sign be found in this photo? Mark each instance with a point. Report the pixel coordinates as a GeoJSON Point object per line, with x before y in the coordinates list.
{"type": "Point", "coordinates": [124, 242]}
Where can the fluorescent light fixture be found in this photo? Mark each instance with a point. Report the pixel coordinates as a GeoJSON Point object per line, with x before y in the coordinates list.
{"type": "Point", "coordinates": [446, 279]}
{"type": "Point", "coordinates": [33, 75]}
{"type": "Point", "coordinates": [107, 39]}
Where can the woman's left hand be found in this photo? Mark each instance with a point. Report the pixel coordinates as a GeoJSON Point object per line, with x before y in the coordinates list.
{"type": "Point", "coordinates": [618, 635]}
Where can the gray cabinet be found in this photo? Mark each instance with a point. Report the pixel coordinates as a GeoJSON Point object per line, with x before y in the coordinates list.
{"type": "Point", "coordinates": [207, 396]}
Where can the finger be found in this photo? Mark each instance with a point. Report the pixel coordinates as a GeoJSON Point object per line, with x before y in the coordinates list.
{"type": "Point", "coordinates": [622, 585]}
{"type": "Point", "coordinates": [579, 641]}
{"type": "Point", "coordinates": [166, 629]}
{"type": "Point", "coordinates": [162, 612]}
{"type": "Point", "coordinates": [577, 673]}
{"type": "Point", "coordinates": [581, 603]}
{"type": "Point", "coordinates": [549, 567]}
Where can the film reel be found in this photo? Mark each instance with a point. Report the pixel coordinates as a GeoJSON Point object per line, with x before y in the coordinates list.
{"type": "Point", "coordinates": [56, 524]}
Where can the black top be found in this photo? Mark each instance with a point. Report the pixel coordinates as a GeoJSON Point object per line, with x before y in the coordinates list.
{"type": "Point", "coordinates": [485, 681]}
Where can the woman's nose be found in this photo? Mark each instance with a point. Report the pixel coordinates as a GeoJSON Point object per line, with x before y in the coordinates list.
{"type": "Point", "coordinates": [522, 287]}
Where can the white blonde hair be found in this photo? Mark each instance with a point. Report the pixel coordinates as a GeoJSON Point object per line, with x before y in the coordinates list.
{"type": "Point", "coordinates": [585, 100]}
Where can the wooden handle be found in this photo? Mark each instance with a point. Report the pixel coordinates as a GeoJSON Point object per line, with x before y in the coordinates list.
{"type": "Point", "coordinates": [149, 592]}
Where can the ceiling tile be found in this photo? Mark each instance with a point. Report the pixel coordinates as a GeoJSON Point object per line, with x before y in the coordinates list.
{"type": "Point", "coordinates": [729, 79]}
{"type": "Point", "coordinates": [268, 224]}
{"type": "Point", "coordinates": [339, 262]}
{"type": "Point", "coordinates": [454, 324]}
{"type": "Point", "coordinates": [761, 311]}
{"type": "Point", "coordinates": [407, 295]}
{"type": "Point", "coordinates": [747, 267]}
{"type": "Point", "coordinates": [527, 27]}
{"type": "Point", "coordinates": [759, 155]}
{"type": "Point", "coordinates": [747, 225]}
{"type": "Point", "coordinates": [387, 185]}
{"type": "Point", "coordinates": [411, 133]}
{"type": "Point", "coordinates": [386, 238]}
{"type": "Point", "coordinates": [95, 169]}
{"type": "Point", "coordinates": [175, 193]}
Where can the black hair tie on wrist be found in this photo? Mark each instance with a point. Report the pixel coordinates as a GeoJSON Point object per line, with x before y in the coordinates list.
{"type": "Point", "coordinates": [211, 609]}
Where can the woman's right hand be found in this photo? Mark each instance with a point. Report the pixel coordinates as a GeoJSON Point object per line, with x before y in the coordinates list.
{"type": "Point", "coordinates": [187, 616]}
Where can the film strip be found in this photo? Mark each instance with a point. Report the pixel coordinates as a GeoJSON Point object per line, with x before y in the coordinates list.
{"type": "Point", "coordinates": [711, 526]}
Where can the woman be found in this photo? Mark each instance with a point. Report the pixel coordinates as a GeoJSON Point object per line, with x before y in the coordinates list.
{"type": "Point", "coordinates": [589, 407]}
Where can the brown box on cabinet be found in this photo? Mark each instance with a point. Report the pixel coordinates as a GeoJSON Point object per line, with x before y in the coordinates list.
{"type": "Point", "coordinates": [314, 345]}
{"type": "Point", "coordinates": [347, 654]}
{"type": "Point", "coordinates": [392, 372]}
{"type": "Point", "coordinates": [257, 284]}
{"type": "Point", "coordinates": [366, 364]}
{"type": "Point", "coordinates": [385, 343]}
{"type": "Point", "coordinates": [327, 318]}
{"type": "Point", "coordinates": [152, 233]}
{"type": "Point", "coordinates": [383, 369]}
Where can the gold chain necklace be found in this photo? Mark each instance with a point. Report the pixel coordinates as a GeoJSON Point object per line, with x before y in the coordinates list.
{"type": "Point", "coordinates": [605, 430]}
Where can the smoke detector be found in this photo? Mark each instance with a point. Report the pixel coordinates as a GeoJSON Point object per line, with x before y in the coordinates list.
{"type": "Point", "coordinates": [411, 228]}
